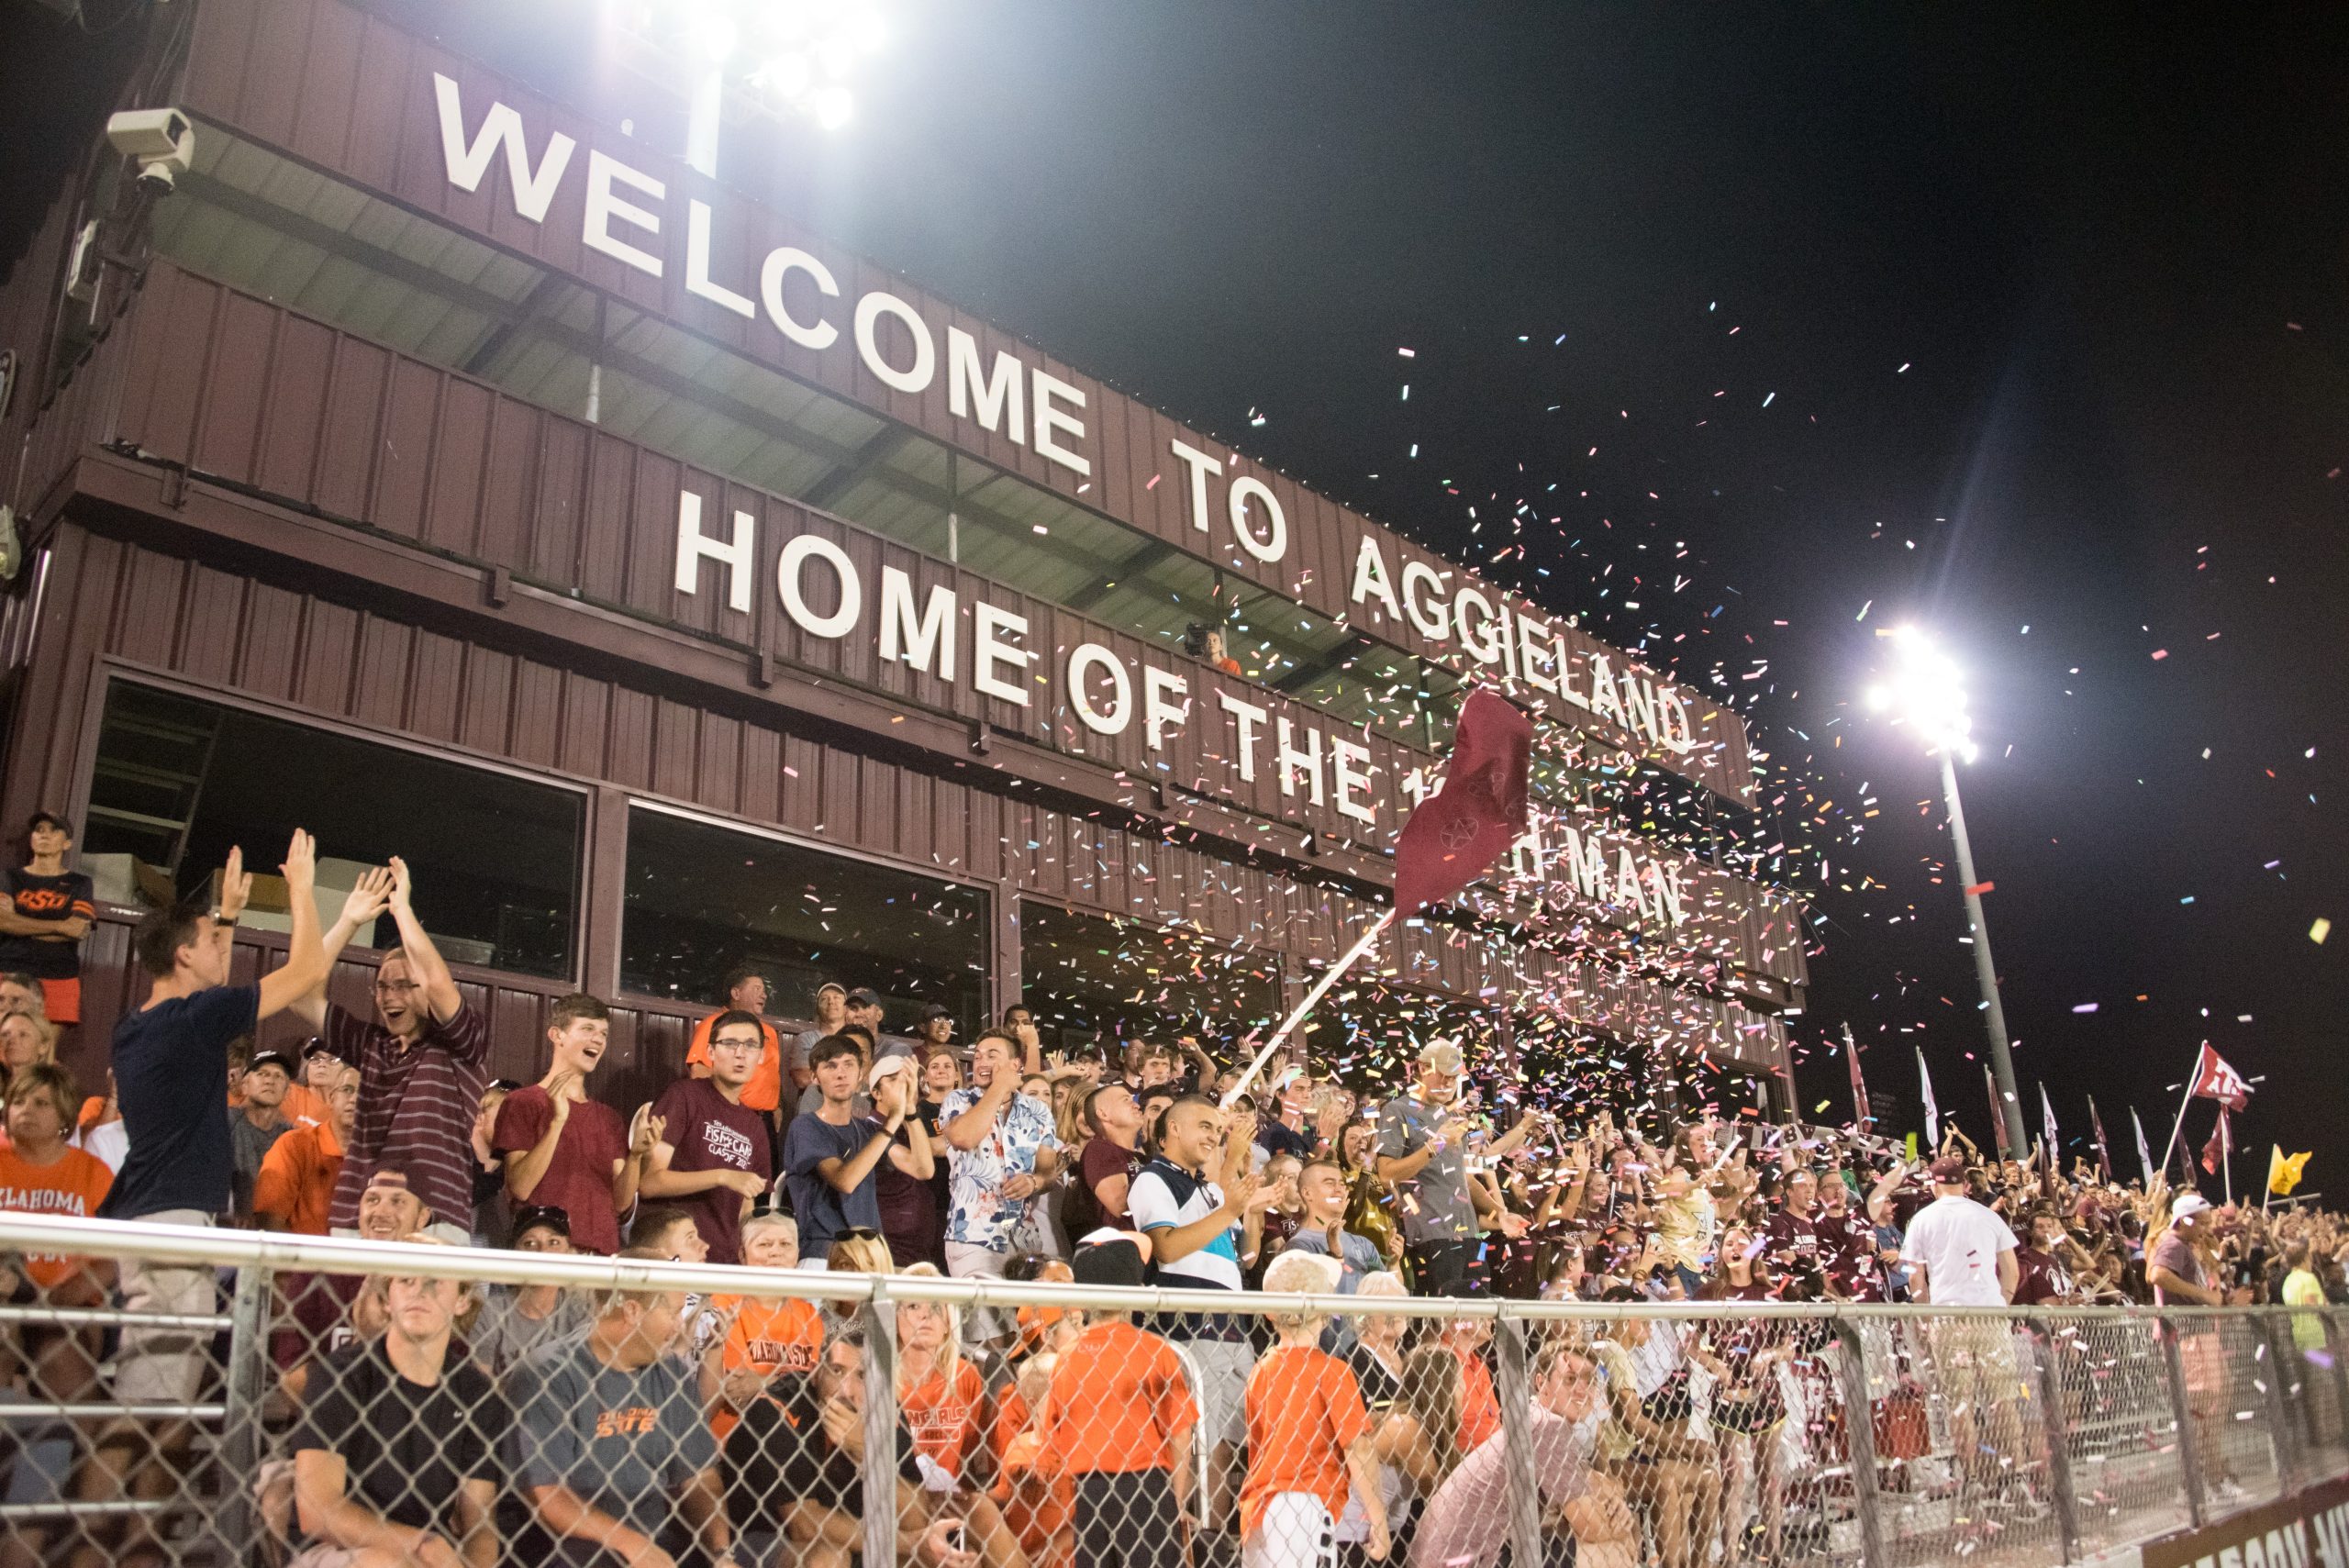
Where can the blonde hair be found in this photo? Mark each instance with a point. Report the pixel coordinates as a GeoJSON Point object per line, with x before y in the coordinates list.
{"type": "Point", "coordinates": [770, 1220]}
{"type": "Point", "coordinates": [43, 1031]}
{"type": "Point", "coordinates": [949, 1355]}
{"type": "Point", "coordinates": [1300, 1273]}
{"type": "Point", "coordinates": [860, 1255]}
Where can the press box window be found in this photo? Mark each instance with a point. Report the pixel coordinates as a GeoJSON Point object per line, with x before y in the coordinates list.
{"type": "Point", "coordinates": [703, 899]}
{"type": "Point", "coordinates": [179, 781]}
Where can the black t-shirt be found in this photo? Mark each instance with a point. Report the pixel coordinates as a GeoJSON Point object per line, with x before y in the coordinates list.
{"type": "Point", "coordinates": [60, 899]}
{"type": "Point", "coordinates": [171, 1077]}
{"type": "Point", "coordinates": [779, 1453]}
{"type": "Point", "coordinates": [406, 1448]}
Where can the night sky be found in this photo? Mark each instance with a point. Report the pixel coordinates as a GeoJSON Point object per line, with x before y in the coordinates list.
{"type": "Point", "coordinates": [2025, 326]}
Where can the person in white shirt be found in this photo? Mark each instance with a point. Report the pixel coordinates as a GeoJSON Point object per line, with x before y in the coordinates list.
{"type": "Point", "coordinates": [1959, 1253]}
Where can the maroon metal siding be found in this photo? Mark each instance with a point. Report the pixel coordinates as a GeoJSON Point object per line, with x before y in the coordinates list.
{"type": "Point", "coordinates": [348, 93]}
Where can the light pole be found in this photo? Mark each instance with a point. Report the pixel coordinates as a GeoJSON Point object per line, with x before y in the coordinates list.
{"type": "Point", "coordinates": [1926, 692]}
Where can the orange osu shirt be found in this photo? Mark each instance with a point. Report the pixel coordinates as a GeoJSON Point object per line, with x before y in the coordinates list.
{"type": "Point", "coordinates": [1304, 1411]}
{"type": "Point", "coordinates": [1116, 1397]}
{"type": "Point", "coordinates": [73, 1184]}
{"type": "Point", "coordinates": [768, 1336]}
{"type": "Point", "coordinates": [944, 1418]}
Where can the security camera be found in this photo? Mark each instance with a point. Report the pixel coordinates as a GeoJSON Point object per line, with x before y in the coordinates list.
{"type": "Point", "coordinates": [162, 140]}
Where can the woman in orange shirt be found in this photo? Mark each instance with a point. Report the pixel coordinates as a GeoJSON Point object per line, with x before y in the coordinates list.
{"type": "Point", "coordinates": [42, 1173]}
{"type": "Point", "coordinates": [943, 1400]}
{"type": "Point", "coordinates": [759, 1338]}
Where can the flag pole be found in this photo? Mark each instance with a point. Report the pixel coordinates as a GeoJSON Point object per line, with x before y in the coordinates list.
{"type": "Point", "coordinates": [2226, 1155]}
{"type": "Point", "coordinates": [2171, 1148]}
{"type": "Point", "coordinates": [1320, 988]}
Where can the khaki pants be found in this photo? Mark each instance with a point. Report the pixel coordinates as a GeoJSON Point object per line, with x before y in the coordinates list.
{"type": "Point", "coordinates": [165, 1365]}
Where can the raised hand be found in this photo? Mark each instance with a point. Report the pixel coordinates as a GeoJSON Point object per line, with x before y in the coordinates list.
{"type": "Point", "coordinates": [236, 884]}
{"type": "Point", "coordinates": [367, 896]}
{"type": "Point", "coordinates": [648, 1128]}
{"type": "Point", "coordinates": [301, 863]}
{"type": "Point", "coordinates": [403, 884]}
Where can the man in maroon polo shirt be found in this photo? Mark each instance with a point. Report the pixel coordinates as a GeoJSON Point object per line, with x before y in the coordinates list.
{"type": "Point", "coordinates": [564, 1150]}
{"type": "Point", "coordinates": [422, 1060]}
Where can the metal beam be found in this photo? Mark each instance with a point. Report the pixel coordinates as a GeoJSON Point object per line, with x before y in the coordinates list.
{"type": "Point", "coordinates": [1145, 556]}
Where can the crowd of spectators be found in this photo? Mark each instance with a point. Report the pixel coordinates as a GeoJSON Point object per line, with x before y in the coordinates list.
{"type": "Point", "coordinates": [433, 1423]}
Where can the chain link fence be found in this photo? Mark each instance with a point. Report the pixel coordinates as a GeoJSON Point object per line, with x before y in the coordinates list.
{"type": "Point", "coordinates": [180, 1396]}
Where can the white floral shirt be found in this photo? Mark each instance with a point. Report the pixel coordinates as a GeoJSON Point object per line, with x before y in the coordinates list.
{"type": "Point", "coordinates": [977, 1213]}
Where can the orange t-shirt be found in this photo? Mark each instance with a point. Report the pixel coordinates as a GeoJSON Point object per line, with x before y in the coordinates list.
{"type": "Point", "coordinates": [1040, 1508]}
{"type": "Point", "coordinates": [768, 1336]}
{"type": "Point", "coordinates": [296, 1180]}
{"type": "Point", "coordinates": [1480, 1408]}
{"type": "Point", "coordinates": [764, 1091]}
{"type": "Point", "coordinates": [944, 1418]}
{"type": "Point", "coordinates": [1117, 1396]}
{"type": "Point", "coordinates": [1304, 1411]}
{"type": "Point", "coordinates": [303, 1104]}
{"type": "Point", "coordinates": [74, 1184]}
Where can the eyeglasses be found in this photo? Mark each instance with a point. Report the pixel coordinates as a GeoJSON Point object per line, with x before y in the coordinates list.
{"type": "Point", "coordinates": [736, 1044]}
{"type": "Point", "coordinates": [396, 987]}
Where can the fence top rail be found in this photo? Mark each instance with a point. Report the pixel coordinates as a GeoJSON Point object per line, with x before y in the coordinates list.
{"type": "Point", "coordinates": [282, 1252]}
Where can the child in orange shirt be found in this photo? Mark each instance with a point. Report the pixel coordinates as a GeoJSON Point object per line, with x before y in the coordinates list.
{"type": "Point", "coordinates": [1036, 1501]}
{"type": "Point", "coordinates": [1117, 1424]}
{"type": "Point", "coordinates": [1308, 1436]}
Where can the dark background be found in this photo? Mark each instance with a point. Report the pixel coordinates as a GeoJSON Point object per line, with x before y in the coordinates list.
{"type": "Point", "coordinates": [2105, 246]}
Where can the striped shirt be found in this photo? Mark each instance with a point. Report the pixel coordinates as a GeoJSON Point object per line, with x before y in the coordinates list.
{"type": "Point", "coordinates": [416, 1109]}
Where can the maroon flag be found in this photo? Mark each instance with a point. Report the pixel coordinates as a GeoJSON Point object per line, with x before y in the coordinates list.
{"type": "Point", "coordinates": [2214, 1080]}
{"type": "Point", "coordinates": [2103, 1155]}
{"type": "Point", "coordinates": [1469, 823]}
{"type": "Point", "coordinates": [1997, 1114]}
{"type": "Point", "coordinates": [2222, 1143]}
{"type": "Point", "coordinates": [1861, 1117]}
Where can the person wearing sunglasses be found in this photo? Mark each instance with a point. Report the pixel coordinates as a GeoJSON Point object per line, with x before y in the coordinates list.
{"type": "Point", "coordinates": [422, 1059]}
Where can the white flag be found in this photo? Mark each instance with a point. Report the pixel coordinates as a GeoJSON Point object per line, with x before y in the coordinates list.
{"type": "Point", "coordinates": [2144, 1155]}
{"type": "Point", "coordinates": [1932, 1112]}
{"type": "Point", "coordinates": [2047, 1130]}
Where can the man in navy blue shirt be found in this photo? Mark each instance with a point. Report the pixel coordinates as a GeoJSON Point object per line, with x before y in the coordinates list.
{"type": "Point", "coordinates": [170, 1070]}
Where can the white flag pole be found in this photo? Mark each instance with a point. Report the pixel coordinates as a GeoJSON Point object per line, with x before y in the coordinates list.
{"type": "Point", "coordinates": [1320, 988]}
{"type": "Point", "coordinates": [2171, 1147]}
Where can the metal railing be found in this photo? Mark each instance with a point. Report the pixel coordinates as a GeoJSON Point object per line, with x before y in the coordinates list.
{"type": "Point", "coordinates": [1678, 1435]}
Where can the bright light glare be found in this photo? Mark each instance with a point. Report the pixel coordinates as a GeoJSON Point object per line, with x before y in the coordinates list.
{"type": "Point", "coordinates": [1926, 691]}
{"type": "Point", "coordinates": [798, 55]}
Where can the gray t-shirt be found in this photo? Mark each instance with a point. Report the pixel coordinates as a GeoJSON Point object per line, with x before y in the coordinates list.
{"type": "Point", "coordinates": [1435, 1203]}
{"type": "Point", "coordinates": [1362, 1256]}
{"type": "Point", "coordinates": [502, 1336]}
{"type": "Point", "coordinates": [247, 1146]}
{"type": "Point", "coordinates": [623, 1440]}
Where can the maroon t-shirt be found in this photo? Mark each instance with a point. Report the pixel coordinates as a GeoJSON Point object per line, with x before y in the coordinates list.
{"type": "Point", "coordinates": [579, 1178]}
{"type": "Point", "coordinates": [1102, 1159]}
{"type": "Point", "coordinates": [710, 1132]}
{"type": "Point", "coordinates": [1847, 1248]}
{"type": "Point", "coordinates": [1794, 1243]}
{"type": "Point", "coordinates": [2039, 1277]}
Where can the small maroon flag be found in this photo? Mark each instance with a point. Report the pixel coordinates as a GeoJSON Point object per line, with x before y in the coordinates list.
{"type": "Point", "coordinates": [2214, 1080]}
{"type": "Point", "coordinates": [1862, 1118]}
{"type": "Point", "coordinates": [2221, 1144]}
{"type": "Point", "coordinates": [1469, 823]}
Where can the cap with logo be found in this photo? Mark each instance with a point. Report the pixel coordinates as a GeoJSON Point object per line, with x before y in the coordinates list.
{"type": "Point", "coordinates": [1441, 1055]}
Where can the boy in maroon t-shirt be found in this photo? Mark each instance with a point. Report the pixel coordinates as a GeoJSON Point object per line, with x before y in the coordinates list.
{"type": "Point", "coordinates": [564, 1150]}
{"type": "Point", "coordinates": [711, 1160]}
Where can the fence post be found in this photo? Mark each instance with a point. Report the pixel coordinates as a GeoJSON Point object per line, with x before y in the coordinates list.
{"type": "Point", "coordinates": [1859, 1439]}
{"type": "Point", "coordinates": [246, 1384]}
{"type": "Point", "coordinates": [2335, 1346]}
{"type": "Point", "coordinates": [1516, 1393]}
{"type": "Point", "coordinates": [2059, 1452]}
{"type": "Point", "coordinates": [2189, 1459]}
{"type": "Point", "coordinates": [2281, 1437]}
{"type": "Point", "coordinates": [879, 1317]}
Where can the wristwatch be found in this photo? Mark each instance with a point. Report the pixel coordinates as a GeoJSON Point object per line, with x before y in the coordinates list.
{"type": "Point", "coordinates": [220, 918]}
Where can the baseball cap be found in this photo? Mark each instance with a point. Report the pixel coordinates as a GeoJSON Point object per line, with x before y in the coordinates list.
{"type": "Point", "coordinates": [1107, 1263]}
{"type": "Point", "coordinates": [864, 995]}
{"type": "Point", "coordinates": [317, 1046]}
{"type": "Point", "coordinates": [277, 1059]}
{"type": "Point", "coordinates": [1443, 1055]}
{"type": "Point", "coordinates": [54, 819]}
{"type": "Point", "coordinates": [882, 1068]}
{"type": "Point", "coordinates": [936, 1011]}
{"type": "Point", "coordinates": [539, 1216]}
{"type": "Point", "coordinates": [1949, 1167]}
{"type": "Point", "coordinates": [2189, 1203]}
{"type": "Point", "coordinates": [831, 985]}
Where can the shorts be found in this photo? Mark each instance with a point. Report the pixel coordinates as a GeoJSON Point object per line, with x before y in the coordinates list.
{"type": "Point", "coordinates": [1220, 1370]}
{"type": "Point", "coordinates": [1295, 1532]}
{"type": "Point", "coordinates": [159, 1366]}
{"type": "Point", "coordinates": [982, 1326]}
{"type": "Point", "coordinates": [1974, 1361]}
{"type": "Point", "coordinates": [62, 1000]}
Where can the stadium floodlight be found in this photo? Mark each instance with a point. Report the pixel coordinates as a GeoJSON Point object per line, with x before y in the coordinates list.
{"type": "Point", "coordinates": [791, 57]}
{"type": "Point", "coordinates": [1926, 691]}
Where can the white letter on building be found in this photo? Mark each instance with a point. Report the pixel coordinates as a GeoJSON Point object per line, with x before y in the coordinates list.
{"type": "Point", "coordinates": [1606, 702]}
{"type": "Point", "coordinates": [1679, 732]}
{"type": "Point", "coordinates": [1292, 760]}
{"type": "Point", "coordinates": [1158, 715]}
{"type": "Point", "coordinates": [1351, 780]}
{"type": "Point", "coordinates": [1248, 716]}
{"type": "Point", "coordinates": [1427, 610]}
{"type": "Point", "coordinates": [912, 639]}
{"type": "Point", "coordinates": [1052, 420]}
{"type": "Point", "coordinates": [869, 311]}
{"type": "Point", "coordinates": [1201, 465]}
{"type": "Point", "coordinates": [734, 554]}
{"type": "Point", "coordinates": [1484, 643]}
{"type": "Point", "coordinates": [532, 192]}
{"type": "Point", "coordinates": [1370, 577]}
{"type": "Point", "coordinates": [1536, 645]}
{"type": "Point", "coordinates": [791, 565]}
{"type": "Point", "coordinates": [1274, 543]}
{"type": "Point", "coordinates": [1586, 866]}
{"type": "Point", "coordinates": [823, 334]}
{"type": "Point", "coordinates": [990, 651]}
{"type": "Point", "coordinates": [603, 207]}
{"type": "Point", "coordinates": [697, 263]}
{"type": "Point", "coordinates": [996, 391]}
{"type": "Point", "coordinates": [1083, 660]}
